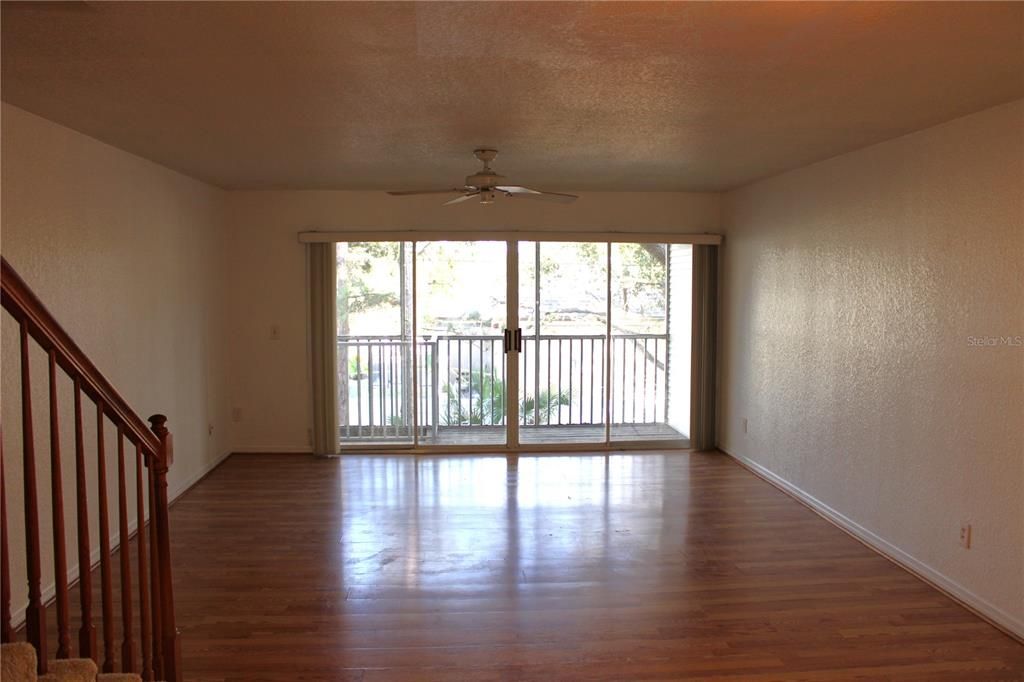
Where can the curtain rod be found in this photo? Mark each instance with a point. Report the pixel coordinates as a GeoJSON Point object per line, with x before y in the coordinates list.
{"type": "Point", "coordinates": [370, 235]}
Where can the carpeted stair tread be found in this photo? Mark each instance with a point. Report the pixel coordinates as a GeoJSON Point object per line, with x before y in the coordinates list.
{"type": "Point", "coordinates": [70, 670]}
{"type": "Point", "coordinates": [102, 677]}
{"type": "Point", "coordinates": [17, 662]}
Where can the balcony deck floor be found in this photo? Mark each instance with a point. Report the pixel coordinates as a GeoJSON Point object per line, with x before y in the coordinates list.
{"type": "Point", "coordinates": [552, 434]}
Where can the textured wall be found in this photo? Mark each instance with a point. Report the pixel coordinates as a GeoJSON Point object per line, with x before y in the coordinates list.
{"type": "Point", "coordinates": [128, 257]}
{"type": "Point", "coordinates": [270, 378]}
{"type": "Point", "coordinates": [852, 289]}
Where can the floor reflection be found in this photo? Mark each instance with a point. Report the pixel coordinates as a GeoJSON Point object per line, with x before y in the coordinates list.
{"type": "Point", "coordinates": [481, 569]}
{"type": "Point", "coordinates": [462, 524]}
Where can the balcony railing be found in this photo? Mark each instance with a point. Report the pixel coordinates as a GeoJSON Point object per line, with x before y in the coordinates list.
{"type": "Point", "coordinates": [461, 382]}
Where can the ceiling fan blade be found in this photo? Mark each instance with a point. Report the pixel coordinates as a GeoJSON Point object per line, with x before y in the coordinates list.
{"type": "Point", "coordinates": [458, 200]}
{"type": "Point", "coordinates": [516, 189]}
{"type": "Point", "coordinates": [518, 192]}
{"type": "Point", "coordinates": [411, 192]}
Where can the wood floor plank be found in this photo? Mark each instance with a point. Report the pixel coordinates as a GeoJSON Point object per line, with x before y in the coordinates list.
{"type": "Point", "coordinates": [655, 566]}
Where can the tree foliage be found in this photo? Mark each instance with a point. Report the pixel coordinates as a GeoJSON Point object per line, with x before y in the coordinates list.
{"type": "Point", "coordinates": [356, 266]}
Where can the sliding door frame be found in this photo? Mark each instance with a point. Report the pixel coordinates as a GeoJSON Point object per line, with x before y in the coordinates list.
{"type": "Point", "coordinates": [512, 356]}
{"type": "Point", "coordinates": [512, 239]}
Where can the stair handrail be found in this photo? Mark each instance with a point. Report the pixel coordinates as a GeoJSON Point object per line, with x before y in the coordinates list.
{"type": "Point", "coordinates": [161, 656]}
{"type": "Point", "coordinates": [22, 303]}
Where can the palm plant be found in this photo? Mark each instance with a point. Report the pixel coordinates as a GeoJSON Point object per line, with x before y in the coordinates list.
{"type": "Point", "coordinates": [539, 410]}
{"type": "Point", "coordinates": [486, 405]}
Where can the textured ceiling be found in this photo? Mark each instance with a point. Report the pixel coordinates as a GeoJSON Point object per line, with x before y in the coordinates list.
{"type": "Point", "coordinates": [577, 96]}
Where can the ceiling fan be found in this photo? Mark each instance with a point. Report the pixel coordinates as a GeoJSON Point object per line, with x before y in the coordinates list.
{"type": "Point", "coordinates": [487, 184]}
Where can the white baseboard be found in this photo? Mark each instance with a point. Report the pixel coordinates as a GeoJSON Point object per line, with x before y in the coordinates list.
{"type": "Point", "coordinates": [195, 478]}
{"type": "Point", "coordinates": [983, 608]}
{"type": "Point", "coordinates": [49, 592]}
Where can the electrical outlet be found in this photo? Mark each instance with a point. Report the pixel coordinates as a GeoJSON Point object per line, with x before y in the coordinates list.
{"type": "Point", "coordinates": [209, 429]}
{"type": "Point", "coordinates": [744, 425]}
{"type": "Point", "coordinates": [236, 414]}
{"type": "Point", "coordinates": [965, 535]}
{"type": "Point", "coordinates": [275, 332]}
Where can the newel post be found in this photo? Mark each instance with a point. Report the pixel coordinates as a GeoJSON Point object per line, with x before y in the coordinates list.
{"type": "Point", "coordinates": [171, 648]}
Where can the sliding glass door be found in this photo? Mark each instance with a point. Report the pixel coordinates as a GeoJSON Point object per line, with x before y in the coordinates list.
{"type": "Point", "coordinates": [477, 344]}
{"type": "Point", "coordinates": [374, 322]}
{"type": "Point", "coordinates": [563, 313]}
{"type": "Point", "coordinates": [461, 318]}
{"type": "Point", "coordinates": [651, 305]}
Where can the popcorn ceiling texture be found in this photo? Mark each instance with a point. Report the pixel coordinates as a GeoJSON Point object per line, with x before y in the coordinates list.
{"type": "Point", "coordinates": [601, 96]}
{"type": "Point", "coordinates": [855, 293]}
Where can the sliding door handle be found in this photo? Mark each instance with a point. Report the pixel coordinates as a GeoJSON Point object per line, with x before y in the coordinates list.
{"type": "Point", "coordinates": [506, 341]}
{"type": "Point", "coordinates": [519, 339]}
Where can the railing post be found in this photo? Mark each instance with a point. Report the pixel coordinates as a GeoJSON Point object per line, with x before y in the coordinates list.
{"type": "Point", "coordinates": [169, 631]}
{"type": "Point", "coordinates": [35, 614]}
{"type": "Point", "coordinates": [435, 398]}
{"type": "Point", "coordinates": [60, 561]}
{"type": "Point", "coordinates": [86, 631]}
{"type": "Point", "coordinates": [154, 571]}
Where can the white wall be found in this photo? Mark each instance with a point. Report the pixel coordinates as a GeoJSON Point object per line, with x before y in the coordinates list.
{"type": "Point", "coordinates": [270, 378]}
{"type": "Point", "coordinates": [851, 291]}
{"type": "Point", "coordinates": [129, 258]}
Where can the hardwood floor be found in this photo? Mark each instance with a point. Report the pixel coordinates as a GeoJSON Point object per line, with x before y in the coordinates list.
{"type": "Point", "coordinates": [626, 567]}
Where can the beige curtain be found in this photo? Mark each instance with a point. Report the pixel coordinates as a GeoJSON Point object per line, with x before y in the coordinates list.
{"type": "Point", "coordinates": [705, 323]}
{"type": "Point", "coordinates": [323, 285]}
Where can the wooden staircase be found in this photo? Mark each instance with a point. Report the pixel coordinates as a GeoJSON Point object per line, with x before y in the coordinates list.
{"type": "Point", "coordinates": [18, 663]}
{"type": "Point", "coordinates": [155, 652]}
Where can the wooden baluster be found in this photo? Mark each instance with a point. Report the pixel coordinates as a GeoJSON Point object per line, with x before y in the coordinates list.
{"type": "Point", "coordinates": [60, 559]}
{"type": "Point", "coordinates": [156, 594]}
{"type": "Point", "coordinates": [86, 633]}
{"type": "Point", "coordinates": [6, 632]}
{"type": "Point", "coordinates": [171, 645]}
{"type": "Point", "coordinates": [35, 615]}
{"type": "Point", "coordinates": [154, 574]}
{"type": "Point", "coordinates": [124, 552]}
{"type": "Point", "coordinates": [106, 587]}
{"type": "Point", "coordinates": [140, 536]}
